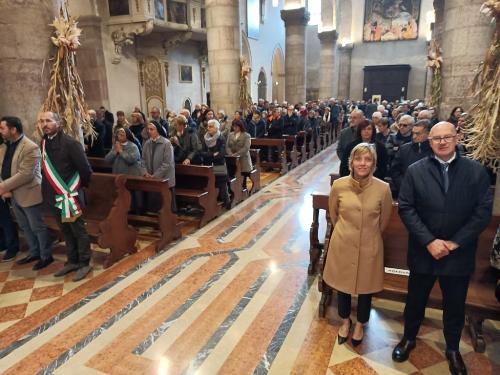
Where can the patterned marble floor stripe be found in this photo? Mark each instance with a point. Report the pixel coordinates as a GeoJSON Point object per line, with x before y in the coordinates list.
{"type": "Point", "coordinates": [251, 347]}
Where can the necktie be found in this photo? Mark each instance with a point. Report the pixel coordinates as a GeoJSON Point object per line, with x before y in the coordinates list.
{"type": "Point", "coordinates": [446, 181]}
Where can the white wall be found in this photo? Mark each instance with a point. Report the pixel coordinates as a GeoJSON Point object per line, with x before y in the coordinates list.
{"type": "Point", "coordinates": [177, 92]}
{"type": "Point", "coordinates": [412, 52]}
{"type": "Point", "coordinates": [272, 35]}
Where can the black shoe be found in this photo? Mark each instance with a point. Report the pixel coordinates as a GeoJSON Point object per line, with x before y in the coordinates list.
{"type": "Point", "coordinates": [28, 259]}
{"type": "Point", "coordinates": [456, 363]}
{"type": "Point", "coordinates": [341, 339]}
{"type": "Point", "coordinates": [42, 263]}
{"type": "Point", "coordinates": [355, 342]}
{"type": "Point", "coordinates": [402, 350]}
{"type": "Point", "coordinates": [8, 257]}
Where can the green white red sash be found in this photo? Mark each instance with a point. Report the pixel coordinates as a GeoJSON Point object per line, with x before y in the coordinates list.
{"type": "Point", "coordinates": [66, 194]}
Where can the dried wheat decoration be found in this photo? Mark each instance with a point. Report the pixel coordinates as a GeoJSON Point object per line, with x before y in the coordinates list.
{"type": "Point", "coordinates": [245, 97]}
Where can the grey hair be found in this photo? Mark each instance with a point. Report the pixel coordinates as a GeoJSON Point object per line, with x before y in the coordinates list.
{"type": "Point", "coordinates": [407, 117]}
{"type": "Point", "coordinates": [359, 111]}
{"type": "Point", "coordinates": [214, 122]}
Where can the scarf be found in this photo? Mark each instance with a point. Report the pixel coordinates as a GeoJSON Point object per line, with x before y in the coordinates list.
{"type": "Point", "coordinates": [210, 141]}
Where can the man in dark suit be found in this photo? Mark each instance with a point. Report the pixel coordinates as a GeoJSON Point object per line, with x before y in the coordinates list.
{"type": "Point", "coordinates": [445, 204]}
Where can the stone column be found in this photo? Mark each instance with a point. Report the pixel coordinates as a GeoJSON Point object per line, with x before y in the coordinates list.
{"type": "Point", "coordinates": [25, 47]}
{"type": "Point", "coordinates": [295, 54]}
{"type": "Point", "coordinates": [345, 53]}
{"type": "Point", "coordinates": [91, 65]}
{"type": "Point", "coordinates": [328, 41]}
{"type": "Point", "coordinates": [466, 36]}
{"type": "Point", "coordinates": [224, 49]}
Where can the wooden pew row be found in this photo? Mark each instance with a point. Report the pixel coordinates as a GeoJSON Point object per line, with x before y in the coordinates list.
{"type": "Point", "coordinates": [235, 180]}
{"type": "Point", "coordinates": [301, 144]}
{"type": "Point", "coordinates": [256, 171]}
{"type": "Point", "coordinates": [280, 144]}
{"type": "Point", "coordinates": [481, 301]}
{"type": "Point", "coordinates": [105, 213]}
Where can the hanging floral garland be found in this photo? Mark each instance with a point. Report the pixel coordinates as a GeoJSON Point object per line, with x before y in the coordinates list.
{"type": "Point", "coordinates": [65, 95]}
{"type": "Point", "coordinates": [482, 130]}
{"type": "Point", "coordinates": [245, 97]}
{"type": "Point", "coordinates": [434, 62]}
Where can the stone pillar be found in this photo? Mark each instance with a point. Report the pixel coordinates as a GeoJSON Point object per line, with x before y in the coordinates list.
{"type": "Point", "coordinates": [345, 53]}
{"type": "Point", "coordinates": [90, 62]}
{"type": "Point", "coordinates": [224, 48]}
{"type": "Point", "coordinates": [25, 47]}
{"type": "Point", "coordinates": [466, 36]}
{"type": "Point", "coordinates": [295, 54]}
{"type": "Point", "coordinates": [328, 41]}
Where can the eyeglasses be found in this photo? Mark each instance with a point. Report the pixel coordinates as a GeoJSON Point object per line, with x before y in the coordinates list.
{"type": "Point", "coordinates": [404, 125]}
{"type": "Point", "coordinates": [446, 139]}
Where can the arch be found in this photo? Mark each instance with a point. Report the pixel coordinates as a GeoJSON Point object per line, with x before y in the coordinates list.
{"type": "Point", "coordinates": [187, 104]}
{"type": "Point", "coordinates": [262, 85]}
{"type": "Point", "coordinates": [246, 53]}
{"type": "Point", "coordinates": [278, 75]}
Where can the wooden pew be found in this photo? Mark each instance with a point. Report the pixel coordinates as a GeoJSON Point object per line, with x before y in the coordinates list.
{"type": "Point", "coordinates": [255, 173]}
{"type": "Point", "coordinates": [301, 144]}
{"type": "Point", "coordinates": [196, 184]}
{"type": "Point", "coordinates": [235, 180]}
{"type": "Point", "coordinates": [282, 164]}
{"type": "Point", "coordinates": [166, 221]}
{"type": "Point", "coordinates": [291, 150]}
{"type": "Point", "coordinates": [481, 301]}
{"type": "Point", "coordinates": [105, 214]}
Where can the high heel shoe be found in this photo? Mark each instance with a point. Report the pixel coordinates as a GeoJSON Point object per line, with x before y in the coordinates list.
{"type": "Point", "coordinates": [341, 339]}
{"type": "Point", "coordinates": [355, 342]}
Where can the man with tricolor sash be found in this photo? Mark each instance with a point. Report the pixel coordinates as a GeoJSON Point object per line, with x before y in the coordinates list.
{"type": "Point", "coordinates": [66, 171]}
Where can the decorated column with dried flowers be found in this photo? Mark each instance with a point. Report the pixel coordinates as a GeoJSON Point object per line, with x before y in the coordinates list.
{"type": "Point", "coordinates": [65, 95]}
{"type": "Point", "coordinates": [482, 130]}
{"type": "Point", "coordinates": [245, 97]}
{"type": "Point", "coordinates": [434, 62]}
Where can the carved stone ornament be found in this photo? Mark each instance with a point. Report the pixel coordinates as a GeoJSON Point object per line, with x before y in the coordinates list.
{"type": "Point", "coordinates": [124, 35]}
{"type": "Point", "coordinates": [176, 39]}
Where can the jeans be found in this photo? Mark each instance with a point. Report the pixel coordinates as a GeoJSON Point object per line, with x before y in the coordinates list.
{"type": "Point", "coordinates": [454, 291]}
{"type": "Point", "coordinates": [10, 237]}
{"type": "Point", "coordinates": [30, 221]}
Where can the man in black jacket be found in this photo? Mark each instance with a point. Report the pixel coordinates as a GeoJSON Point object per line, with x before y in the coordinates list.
{"type": "Point", "coordinates": [409, 153]}
{"type": "Point", "coordinates": [445, 204]}
{"type": "Point", "coordinates": [66, 171]}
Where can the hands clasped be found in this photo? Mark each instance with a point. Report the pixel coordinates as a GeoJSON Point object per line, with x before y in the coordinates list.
{"type": "Point", "coordinates": [441, 248]}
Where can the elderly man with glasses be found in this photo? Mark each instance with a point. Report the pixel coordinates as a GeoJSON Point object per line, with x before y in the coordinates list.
{"type": "Point", "coordinates": [445, 204]}
{"type": "Point", "coordinates": [403, 135]}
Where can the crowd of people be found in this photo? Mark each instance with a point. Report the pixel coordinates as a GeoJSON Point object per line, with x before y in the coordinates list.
{"type": "Point", "coordinates": [443, 196]}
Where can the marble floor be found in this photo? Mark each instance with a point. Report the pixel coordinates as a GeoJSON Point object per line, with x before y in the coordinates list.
{"type": "Point", "coordinates": [231, 298]}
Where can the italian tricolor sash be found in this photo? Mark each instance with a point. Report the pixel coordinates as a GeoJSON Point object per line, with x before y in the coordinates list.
{"type": "Point", "coordinates": [66, 194]}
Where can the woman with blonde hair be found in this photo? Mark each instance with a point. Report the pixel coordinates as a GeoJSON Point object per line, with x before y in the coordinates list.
{"type": "Point", "coordinates": [360, 207]}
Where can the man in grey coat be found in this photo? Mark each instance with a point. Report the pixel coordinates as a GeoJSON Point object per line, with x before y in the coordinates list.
{"type": "Point", "coordinates": [158, 158]}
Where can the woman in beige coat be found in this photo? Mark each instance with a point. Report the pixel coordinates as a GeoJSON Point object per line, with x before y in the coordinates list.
{"type": "Point", "coordinates": [360, 207]}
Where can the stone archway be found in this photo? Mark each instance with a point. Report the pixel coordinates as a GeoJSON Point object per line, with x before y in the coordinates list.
{"type": "Point", "coordinates": [262, 85]}
{"type": "Point", "coordinates": [278, 75]}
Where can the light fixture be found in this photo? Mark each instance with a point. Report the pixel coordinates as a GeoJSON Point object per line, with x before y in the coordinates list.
{"type": "Point", "coordinates": [276, 83]}
{"type": "Point", "coordinates": [345, 41]}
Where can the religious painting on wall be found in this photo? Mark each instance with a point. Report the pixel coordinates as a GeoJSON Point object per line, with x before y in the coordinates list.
{"type": "Point", "coordinates": [186, 73]}
{"type": "Point", "coordinates": [159, 10]}
{"type": "Point", "coordinates": [387, 20]}
{"type": "Point", "coordinates": [253, 18]}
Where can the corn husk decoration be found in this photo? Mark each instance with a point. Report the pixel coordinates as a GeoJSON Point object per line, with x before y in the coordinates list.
{"type": "Point", "coordinates": [245, 97]}
{"type": "Point", "coordinates": [482, 130]}
{"type": "Point", "coordinates": [65, 95]}
{"type": "Point", "coordinates": [434, 62]}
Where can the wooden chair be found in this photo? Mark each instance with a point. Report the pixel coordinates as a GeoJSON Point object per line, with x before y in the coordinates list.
{"type": "Point", "coordinates": [282, 164]}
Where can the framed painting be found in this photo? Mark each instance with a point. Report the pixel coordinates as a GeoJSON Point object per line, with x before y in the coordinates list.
{"type": "Point", "coordinates": [185, 73]}
{"type": "Point", "coordinates": [387, 20]}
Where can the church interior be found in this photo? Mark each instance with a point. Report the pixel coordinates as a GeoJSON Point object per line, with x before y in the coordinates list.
{"type": "Point", "coordinates": [237, 288]}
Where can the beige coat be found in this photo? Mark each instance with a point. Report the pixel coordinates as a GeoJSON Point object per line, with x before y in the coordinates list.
{"type": "Point", "coordinates": [355, 261]}
{"type": "Point", "coordinates": [26, 177]}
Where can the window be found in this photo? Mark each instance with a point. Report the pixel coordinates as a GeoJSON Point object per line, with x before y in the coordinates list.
{"type": "Point", "coordinates": [314, 8]}
{"type": "Point", "coordinates": [177, 12]}
{"type": "Point", "coordinates": [118, 8]}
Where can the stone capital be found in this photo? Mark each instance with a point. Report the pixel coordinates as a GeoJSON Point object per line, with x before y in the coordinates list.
{"type": "Point", "coordinates": [298, 16]}
{"type": "Point", "coordinates": [328, 36]}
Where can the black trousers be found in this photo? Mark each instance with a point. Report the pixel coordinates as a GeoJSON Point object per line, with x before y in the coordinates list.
{"type": "Point", "coordinates": [77, 240]}
{"type": "Point", "coordinates": [363, 309]}
{"type": "Point", "coordinates": [454, 290]}
{"type": "Point", "coordinates": [9, 238]}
